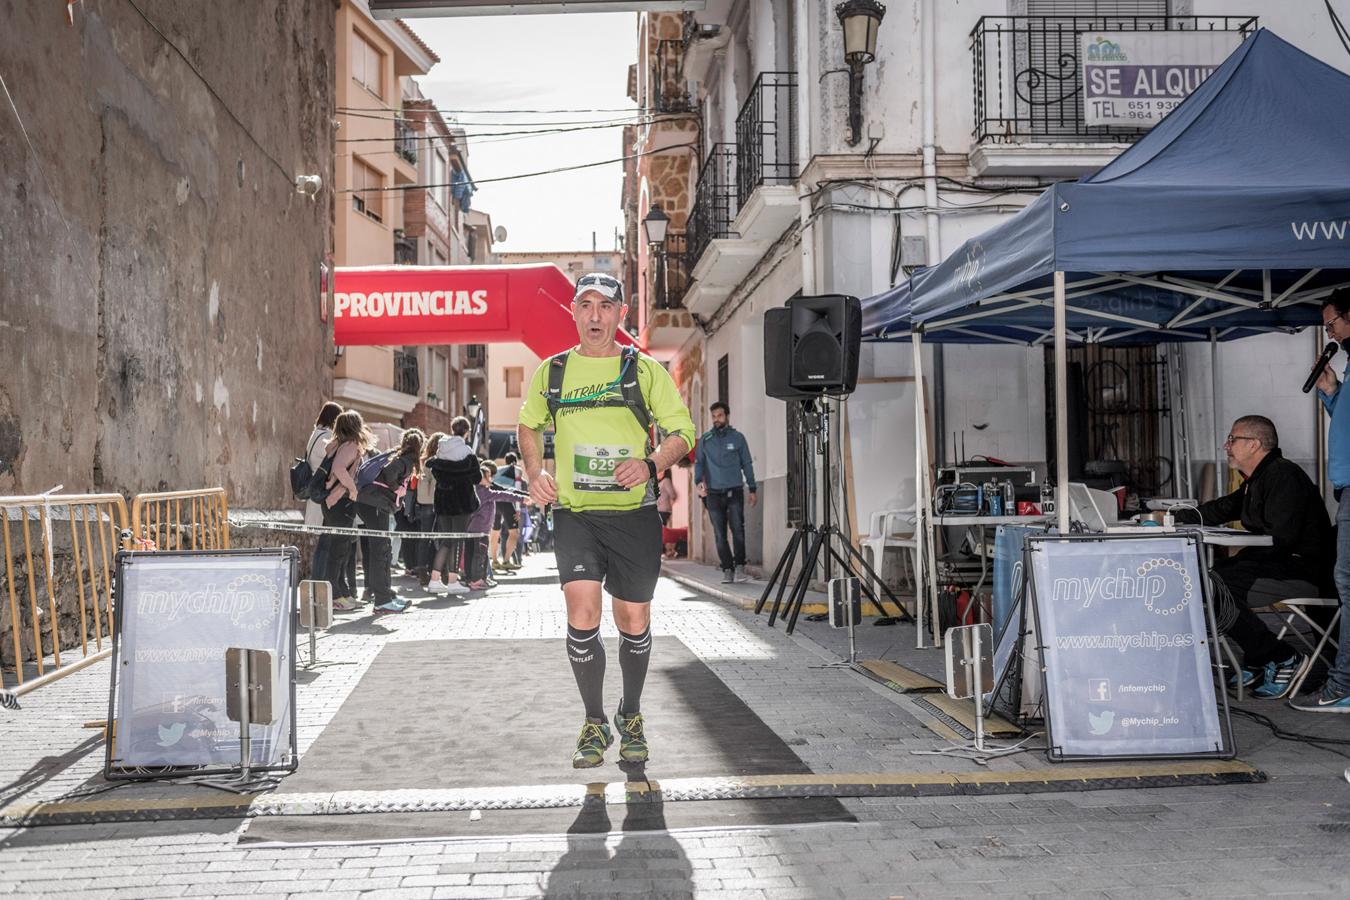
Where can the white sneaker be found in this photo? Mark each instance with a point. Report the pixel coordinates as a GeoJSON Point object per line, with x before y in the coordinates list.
{"type": "Point", "coordinates": [456, 587]}
{"type": "Point", "coordinates": [741, 574]}
{"type": "Point", "coordinates": [344, 604]}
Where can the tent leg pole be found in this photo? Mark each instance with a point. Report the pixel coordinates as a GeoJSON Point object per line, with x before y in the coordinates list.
{"type": "Point", "coordinates": [1061, 409]}
{"type": "Point", "coordinates": [922, 508]}
{"type": "Point", "coordinates": [1214, 397]}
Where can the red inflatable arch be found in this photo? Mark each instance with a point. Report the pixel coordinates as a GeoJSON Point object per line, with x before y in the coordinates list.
{"type": "Point", "coordinates": [398, 305]}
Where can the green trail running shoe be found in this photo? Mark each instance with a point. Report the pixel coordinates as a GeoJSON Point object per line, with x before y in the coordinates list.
{"type": "Point", "coordinates": [592, 743]}
{"type": "Point", "coordinates": [632, 742]}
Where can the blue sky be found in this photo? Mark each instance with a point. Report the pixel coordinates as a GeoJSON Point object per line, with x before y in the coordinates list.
{"type": "Point", "coordinates": [573, 61]}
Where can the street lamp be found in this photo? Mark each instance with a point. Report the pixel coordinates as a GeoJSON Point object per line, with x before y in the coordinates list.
{"type": "Point", "coordinates": [860, 20]}
{"type": "Point", "coordinates": [654, 226]}
{"type": "Point", "coordinates": [472, 408]}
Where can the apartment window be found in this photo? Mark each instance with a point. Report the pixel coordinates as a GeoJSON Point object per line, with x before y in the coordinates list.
{"type": "Point", "coordinates": [514, 376]}
{"type": "Point", "coordinates": [367, 65]}
{"type": "Point", "coordinates": [366, 183]}
{"type": "Point", "coordinates": [440, 367]}
{"type": "Point", "coordinates": [441, 190]}
{"type": "Point", "coordinates": [724, 380]}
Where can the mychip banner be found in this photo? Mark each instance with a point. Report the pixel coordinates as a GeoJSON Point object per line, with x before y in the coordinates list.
{"type": "Point", "coordinates": [177, 615]}
{"type": "Point", "coordinates": [1134, 78]}
{"type": "Point", "coordinates": [1128, 663]}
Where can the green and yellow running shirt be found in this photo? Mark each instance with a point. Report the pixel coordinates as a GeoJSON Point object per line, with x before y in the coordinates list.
{"type": "Point", "coordinates": [592, 440]}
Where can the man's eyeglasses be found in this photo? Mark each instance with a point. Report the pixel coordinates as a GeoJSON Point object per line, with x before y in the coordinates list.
{"type": "Point", "coordinates": [1234, 438]}
{"type": "Point", "coordinates": [1327, 323]}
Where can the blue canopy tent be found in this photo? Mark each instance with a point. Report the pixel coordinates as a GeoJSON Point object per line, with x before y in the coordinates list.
{"type": "Point", "coordinates": [1231, 217]}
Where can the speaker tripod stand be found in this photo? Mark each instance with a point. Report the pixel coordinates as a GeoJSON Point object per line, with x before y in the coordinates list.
{"type": "Point", "coordinates": [822, 543]}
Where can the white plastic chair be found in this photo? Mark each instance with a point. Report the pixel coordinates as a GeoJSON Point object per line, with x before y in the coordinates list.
{"type": "Point", "coordinates": [892, 529]}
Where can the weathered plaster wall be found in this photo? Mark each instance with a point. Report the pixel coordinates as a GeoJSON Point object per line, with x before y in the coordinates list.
{"type": "Point", "coordinates": [159, 312]}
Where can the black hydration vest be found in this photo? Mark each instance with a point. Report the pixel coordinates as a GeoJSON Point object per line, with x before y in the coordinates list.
{"type": "Point", "coordinates": [628, 386]}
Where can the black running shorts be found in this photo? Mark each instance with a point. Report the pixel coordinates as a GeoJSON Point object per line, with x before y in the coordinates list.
{"type": "Point", "coordinates": [506, 517]}
{"type": "Point", "coordinates": [622, 550]}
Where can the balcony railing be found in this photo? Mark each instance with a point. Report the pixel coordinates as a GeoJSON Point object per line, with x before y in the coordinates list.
{"type": "Point", "coordinates": [715, 203]}
{"type": "Point", "coordinates": [405, 141]}
{"type": "Point", "coordinates": [766, 134]}
{"type": "Point", "coordinates": [475, 356]}
{"type": "Point", "coordinates": [405, 250]}
{"type": "Point", "coordinates": [672, 274]}
{"type": "Point", "coordinates": [405, 372]}
{"type": "Point", "coordinates": [1029, 83]}
{"type": "Point", "coordinates": [669, 92]}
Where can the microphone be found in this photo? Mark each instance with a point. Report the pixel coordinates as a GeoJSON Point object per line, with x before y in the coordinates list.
{"type": "Point", "coordinates": [1327, 353]}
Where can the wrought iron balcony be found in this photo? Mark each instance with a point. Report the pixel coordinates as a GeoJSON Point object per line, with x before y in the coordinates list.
{"type": "Point", "coordinates": [672, 274]}
{"type": "Point", "coordinates": [1028, 78]}
{"type": "Point", "coordinates": [405, 250]}
{"type": "Point", "coordinates": [475, 356]}
{"type": "Point", "coordinates": [715, 202]}
{"type": "Point", "coordinates": [405, 141]}
{"type": "Point", "coordinates": [405, 372]}
{"type": "Point", "coordinates": [669, 94]}
{"type": "Point", "coordinates": [766, 134]}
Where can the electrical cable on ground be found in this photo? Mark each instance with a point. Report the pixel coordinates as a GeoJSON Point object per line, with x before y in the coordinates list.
{"type": "Point", "coordinates": [1281, 734]}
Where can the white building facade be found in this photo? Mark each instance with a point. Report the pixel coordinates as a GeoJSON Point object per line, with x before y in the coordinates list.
{"type": "Point", "coordinates": [969, 110]}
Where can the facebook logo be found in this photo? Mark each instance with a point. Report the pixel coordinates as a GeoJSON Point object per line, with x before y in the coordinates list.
{"type": "Point", "coordinates": [1099, 690]}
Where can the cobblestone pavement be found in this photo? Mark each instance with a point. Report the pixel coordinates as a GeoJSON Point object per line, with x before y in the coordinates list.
{"type": "Point", "coordinates": [1288, 836]}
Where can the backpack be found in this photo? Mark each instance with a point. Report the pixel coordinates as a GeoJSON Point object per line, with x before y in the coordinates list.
{"type": "Point", "coordinates": [318, 482]}
{"type": "Point", "coordinates": [370, 470]}
{"type": "Point", "coordinates": [302, 475]}
{"type": "Point", "coordinates": [631, 390]}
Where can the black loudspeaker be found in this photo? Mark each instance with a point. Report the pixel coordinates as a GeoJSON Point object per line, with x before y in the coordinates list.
{"type": "Point", "coordinates": [826, 336]}
{"type": "Point", "coordinates": [778, 354]}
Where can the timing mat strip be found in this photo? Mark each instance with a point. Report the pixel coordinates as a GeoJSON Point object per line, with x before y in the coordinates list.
{"type": "Point", "coordinates": [1177, 773]}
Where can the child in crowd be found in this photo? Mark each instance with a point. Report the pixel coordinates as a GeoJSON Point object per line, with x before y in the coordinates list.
{"type": "Point", "coordinates": [489, 496]}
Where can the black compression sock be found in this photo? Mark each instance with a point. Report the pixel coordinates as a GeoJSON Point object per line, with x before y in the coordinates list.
{"type": "Point", "coordinates": [634, 654]}
{"type": "Point", "coordinates": [587, 653]}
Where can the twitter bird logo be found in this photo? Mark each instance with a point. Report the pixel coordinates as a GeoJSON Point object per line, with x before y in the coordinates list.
{"type": "Point", "coordinates": [171, 735]}
{"type": "Point", "coordinates": [1101, 722]}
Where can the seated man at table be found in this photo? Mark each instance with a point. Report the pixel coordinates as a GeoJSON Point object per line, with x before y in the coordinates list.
{"type": "Point", "coordinates": [1279, 499]}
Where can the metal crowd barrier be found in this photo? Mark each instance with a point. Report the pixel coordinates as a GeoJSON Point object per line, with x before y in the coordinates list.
{"type": "Point", "coordinates": [181, 520]}
{"type": "Point", "coordinates": [56, 546]}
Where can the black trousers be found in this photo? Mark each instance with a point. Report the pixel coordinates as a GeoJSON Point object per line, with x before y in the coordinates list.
{"type": "Point", "coordinates": [338, 548]}
{"type": "Point", "coordinates": [378, 557]}
{"type": "Point", "coordinates": [1256, 581]}
{"type": "Point", "coordinates": [726, 509]}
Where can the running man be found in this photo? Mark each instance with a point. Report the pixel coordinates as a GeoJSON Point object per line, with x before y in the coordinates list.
{"type": "Point", "coordinates": [606, 530]}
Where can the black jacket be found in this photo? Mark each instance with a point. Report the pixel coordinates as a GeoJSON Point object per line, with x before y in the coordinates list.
{"type": "Point", "coordinates": [382, 493]}
{"type": "Point", "coordinates": [1279, 499]}
{"type": "Point", "coordinates": [456, 481]}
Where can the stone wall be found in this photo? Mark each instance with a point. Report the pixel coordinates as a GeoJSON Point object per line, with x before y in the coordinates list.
{"type": "Point", "coordinates": [158, 272]}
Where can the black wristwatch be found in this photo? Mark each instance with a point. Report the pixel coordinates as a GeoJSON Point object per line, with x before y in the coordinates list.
{"type": "Point", "coordinates": [651, 467]}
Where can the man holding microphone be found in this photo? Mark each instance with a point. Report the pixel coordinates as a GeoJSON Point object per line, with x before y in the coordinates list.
{"type": "Point", "coordinates": [1334, 697]}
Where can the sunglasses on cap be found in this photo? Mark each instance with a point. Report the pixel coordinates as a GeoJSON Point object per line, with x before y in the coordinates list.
{"type": "Point", "coordinates": [606, 285]}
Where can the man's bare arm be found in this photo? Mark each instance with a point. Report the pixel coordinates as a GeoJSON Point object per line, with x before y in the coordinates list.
{"type": "Point", "coordinates": [672, 449]}
{"type": "Point", "coordinates": [632, 472]}
{"type": "Point", "coordinates": [542, 487]}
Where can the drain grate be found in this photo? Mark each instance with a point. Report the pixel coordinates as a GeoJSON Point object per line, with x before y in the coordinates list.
{"type": "Point", "coordinates": [928, 707]}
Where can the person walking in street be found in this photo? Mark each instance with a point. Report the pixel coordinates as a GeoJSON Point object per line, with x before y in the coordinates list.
{"type": "Point", "coordinates": [315, 448]}
{"type": "Point", "coordinates": [507, 521]}
{"type": "Point", "coordinates": [602, 401]}
{"type": "Point", "coordinates": [1334, 696]}
{"type": "Point", "coordinates": [721, 460]}
{"type": "Point", "coordinates": [457, 471]}
{"type": "Point", "coordinates": [348, 445]}
{"type": "Point", "coordinates": [375, 503]}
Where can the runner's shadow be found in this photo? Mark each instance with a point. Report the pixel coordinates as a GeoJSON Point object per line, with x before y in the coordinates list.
{"type": "Point", "coordinates": [646, 851]}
